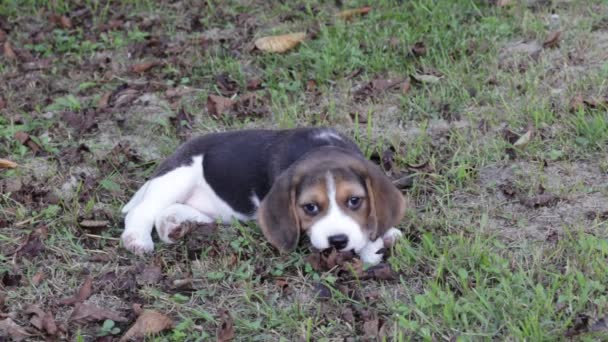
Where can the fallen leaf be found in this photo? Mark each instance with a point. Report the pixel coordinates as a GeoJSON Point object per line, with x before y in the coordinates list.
{"type": "Point", "coordinates": [43, 321]}
{"type": "Point", "coordinates": [404, 181]}
{"type": "Point", "coordinates": [524, 139]}
{"type": "Point", "coordinates": [81, 122]}
{"type": "Point", "coordinates": [149, 322]}
{"type": "Point", "coordinates": [419, 49]}
{"type": "Point", "coordinates": [322, 291]}
{"type": "Point", "coordinates": [552, 39]}
{"type": "Point", "coordinates": [38, 278]}
{"type": "Point", "coordinates": [217, 105]}
{"type": "Point", "coordinates": [503, 3]}
{"type": "Point", "coordinates": [182, 122]}
{"type": "Point", "coordinates": [31, 247]}
{"type": "Point", "coordinates": [94, 224]}
{"type": "Point", "coordinates": [7, 164]}
{"type": "Point", "coordinates": [8, 328]}
{"type": "Point", "coordinates": [581, 325]}
{"type": "Point", "coordinates": [2, 103]}
{"type": "Point", "coordinates": [65, 22]}
{"type": "Point", "coordinates": [9, 53]}
{"type": "Point", "coordinates": [381, 271]}
{"type": "Point", "coordinates": [228, 86]}
{"type": "Point", "coordinates": [280, 43]}
{"type": "Point", "coordinates": [249, 105]}
{"type": "Point", "coordinates": [104, 100]}
{"type": "Point", "coordinates": [350, 13]}
{"type": "Point", "coordinates": [426, 78]}
{"type": "Point", "coordinates": [541, 200]}
{"type": "Point", "coordinates": [254, 84]}
{"type": "Point", "coordinates": [143, 67]}
{"type": "Point", "coordinates": [225, 330]}
{"type": "Point", "coordinates": [151, 274]}
{"type": "Point", "coordinates": [405, 87]}
{"type": "Point", "coordinates": [92, 313]}
{"type": "Point", "coordinates": [371, 328]}
{"type": "Point", "coordinates": [26, 140]}
{"type": "Point", "coordinates": [83, 293]}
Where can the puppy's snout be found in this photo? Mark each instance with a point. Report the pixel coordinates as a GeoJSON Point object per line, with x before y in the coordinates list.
{"type": "Point", "coordinates": [338, 241]}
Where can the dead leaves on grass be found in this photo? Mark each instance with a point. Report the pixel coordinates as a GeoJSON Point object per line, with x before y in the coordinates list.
{"type": "Point", "coordinates": [552, 39]}
{"type": "Point", "coordinates": [148, 322]}
{"type": "Point", "coordinates": [42, 320]}
{"type": "Point", "coordinates": [8, 328]}
{"type": "Point", "coordinates": [247, 105]}
{"type": "Point", "coordinates": [350, 13]}
{"type": "Point", "coordinates": [7, 164]}
{"type": "Point", "coordinates": [225, 330]}
{"type": "Point", "coordinates": [84, 312]}
{"type": "Point", "coordinates": [280, 43]}
{"type": "Point", "coordinates": [83, 293]}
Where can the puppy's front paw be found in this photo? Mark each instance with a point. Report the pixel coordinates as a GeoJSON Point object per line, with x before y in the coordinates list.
{"type": "Point", "coordinates": [137, 243]}
{"type": "Point", "coordinates": [369, 254]}
{"type": "Point", "coordinates": [391, 236]}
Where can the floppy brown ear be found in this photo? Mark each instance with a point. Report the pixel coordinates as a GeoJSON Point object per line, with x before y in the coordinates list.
{"type": "Point", "coordinates": [277, 215]}
{"type": "Point", "coordinates": [387, 204]}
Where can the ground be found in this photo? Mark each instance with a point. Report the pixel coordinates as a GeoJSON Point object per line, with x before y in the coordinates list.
{"type": "Point", "coordinates": [491, 116]}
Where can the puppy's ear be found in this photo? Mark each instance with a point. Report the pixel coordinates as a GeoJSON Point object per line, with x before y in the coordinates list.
{"type": "Point", "coordinates": [387, 204]}
{"type": "Point", "coordinates": [277, 215]}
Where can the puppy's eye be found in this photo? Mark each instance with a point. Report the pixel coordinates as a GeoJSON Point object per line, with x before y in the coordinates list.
{"type": "Point", "coordinates": [311, 209]}
{"type": "Point", "coordinates": [353, 202]}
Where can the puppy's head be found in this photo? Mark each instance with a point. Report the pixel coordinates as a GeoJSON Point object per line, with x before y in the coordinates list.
{"type": "Point", "coordinates": [337, 199]}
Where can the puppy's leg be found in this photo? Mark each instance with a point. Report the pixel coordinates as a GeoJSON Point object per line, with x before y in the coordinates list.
{"type": "Point", "coordinates": [391, 236]}
{"type": "Point", "coordinates": [369, 254]}
{"type": "Point", "coordinates": [160, 192]}
{"type": "Point", "coordinates": [168, 222]}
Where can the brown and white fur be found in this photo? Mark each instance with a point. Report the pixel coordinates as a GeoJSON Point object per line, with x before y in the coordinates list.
{"type": "Point", "coordinates": [311, 181]}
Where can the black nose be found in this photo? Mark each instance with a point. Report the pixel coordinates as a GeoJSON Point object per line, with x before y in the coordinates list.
{"type": "Point", "coordinates": [338, 241]}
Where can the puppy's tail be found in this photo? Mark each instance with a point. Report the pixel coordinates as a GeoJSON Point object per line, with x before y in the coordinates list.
{"type": "Point", "coordinates": [139, 195]}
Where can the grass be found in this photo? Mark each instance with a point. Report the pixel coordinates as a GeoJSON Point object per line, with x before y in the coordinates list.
{"type": "Point", "coordinates": [476, 265]}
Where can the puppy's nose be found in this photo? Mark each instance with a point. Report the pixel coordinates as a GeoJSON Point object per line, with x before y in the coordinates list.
{"type": "Point", "coordinates": [338, 241]}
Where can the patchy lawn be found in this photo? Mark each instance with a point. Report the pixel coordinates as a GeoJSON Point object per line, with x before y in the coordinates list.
{"type": "Point", "coordinates": [492, 116]}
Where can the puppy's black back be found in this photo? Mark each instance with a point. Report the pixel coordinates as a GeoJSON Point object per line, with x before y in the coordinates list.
{"type": "Point", "coordinates": [240, 164]}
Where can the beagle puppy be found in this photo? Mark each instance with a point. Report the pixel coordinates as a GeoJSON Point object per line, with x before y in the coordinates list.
{"type": "Point", "coordinates": [312, 181]}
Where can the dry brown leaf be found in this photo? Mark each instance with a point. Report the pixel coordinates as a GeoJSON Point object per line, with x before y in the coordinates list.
{"type": "Point", "coordinates": [8, 328]}
{"type": "Point", "coordinates": [280, 43]}
{"type": "Point", "coordinates": [503, 3]}
{"type": "Point", "coordinates": [419, 49]}
{"type": "Point", "coordinates": [143, 67]}
{"type": "Point", "coordinates": [552, 39]}
{"type": "Point", "coordinates": [524, 139]}
{"type": "Point", "coordinates": [65, 22]}
{"type": "Point", "coordinates": [83, 293]}
{"type": "Point", "coordinates": [38, 278]}
{"type": "Point", "coordinates": [32, 246]}
{"type": "Point", "coordinates": [350, 13]}
{"type": "Point", "coordinates": [254, 84]}
{"type": "Point", "coordinates": [43, 321]}
{"type": "Point", "coordinates": [94, 224]}
{"type": "Point", "coordinates": [405, 87]}
{"type": "Point", "coordinates": [217, 105]}
{"type": "Point", "coordinates": [424, 78]}
{"type": "Point", "coordinates": [92, 313]}
{"type": "Point", "coordinates": [148, 322]}
{"type": "Point", "coordinates": [25, 139]}
{"type": "Point", "coordinates": [2, 103]}
{"type": "Point", "coordinates": [7, 164]}
{"type": "Point", "coordinates": [225, 331]}
{"type": "Point", "coordinates": [9, 53]}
